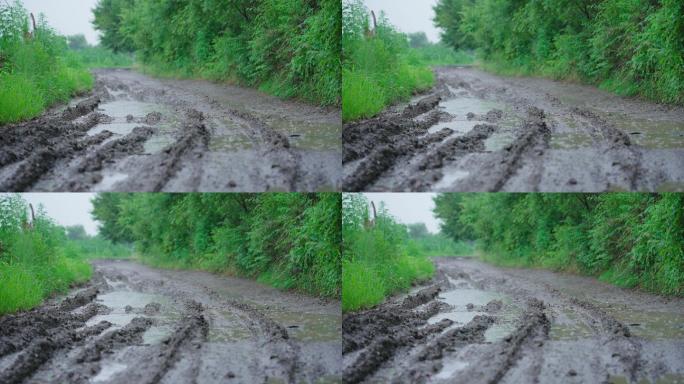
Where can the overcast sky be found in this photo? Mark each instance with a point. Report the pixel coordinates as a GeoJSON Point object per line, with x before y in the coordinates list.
{"type": "Point", "coordinates": [409, 208]}
{"type": "Point", "coordinates": [66, 208]}
{"type": "Point", "coordinates": [67, 17]}
{"type": "Point", "coordinates": [408, 15]}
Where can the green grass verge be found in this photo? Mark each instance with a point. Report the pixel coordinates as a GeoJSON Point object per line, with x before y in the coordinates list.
{"type": "Point", "coordinates": [366, 284]}
{"type": "Point", "coordinates": [23, 286]}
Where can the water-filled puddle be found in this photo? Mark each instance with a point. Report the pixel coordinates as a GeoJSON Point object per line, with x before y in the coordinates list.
{"type": "Point", "coordinates": [309, 326]}
{"type": "Point", "coordinates": [459, 108]}
{"type": "Point", "coordinates": [466, 303]}
{"type": "Point", "coordinates": [109, 179]}
{"type": "Point", "coordinates": [125, 306]}
{"type": "Point", "coordinates": [107, 372]}
{"type": "Point", "coordinates": [573, 329]}
{"type": "Point", "coordinates": [650, 133]}
{"type": "Point", "coordinates": [308, 135]}
{"type": "Point", "coordinates": [119, 110]}
{"type": "Point", "coordinates": [650, 325]}
{"type": "Point", "coordinates": [571, 140]}
{"type": "Point", "coordinates": [450, 368]}
{"type": "Point", "coordinates": [450, 177]}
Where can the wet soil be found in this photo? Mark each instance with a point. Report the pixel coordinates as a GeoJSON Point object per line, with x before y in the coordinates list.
{"type": "Point", "coordinates": [480, 132]}
{"type": "Point", "coordinates": [475, 323]}
{"type": "Point", "coordinates": [137, 133]}
{"type": "Point", "coordinates": [134, 324]}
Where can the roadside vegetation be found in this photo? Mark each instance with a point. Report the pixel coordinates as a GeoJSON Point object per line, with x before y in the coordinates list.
{"type": "Point", "coordinates": [627, 239]}
{"type": "Point", "coordinates": [381, 66]}
{"type": "Point", "coordinates": [290, 48]}
{"type": "Point", "coordinates": [429, 244]}
{"type": "Point", "coordinates": [39, 258]}
{"type": "Point", "coordinates": [379, 257]}
{"type": "Point", "coordinates": [287, 240]}
{"type": "Point", "coordinates": [631, 47]}
{"type": "Point", "coordinates": [36, 69]}
{"type": "Point", "coordinates": [39, 68]}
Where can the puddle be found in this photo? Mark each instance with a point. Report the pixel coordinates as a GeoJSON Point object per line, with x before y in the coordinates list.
{"type": "Point", "coordinates": [650, 325]}
{"type": "Point", "coordinates": [157, 334]}
{"type": "Point", "coordinates": [570, 331]}
{"type": "Point", "coordinates": [664, 379]}
{"type": "Point", "coordinates": [229, 142]}
{"type": "Point", "coordinates": [109, 179]}
{"type": "Point", "coordinates": [117, 301]}
{"type": "Point", "coordinates": [308, 327]}
{"type": "Point", "coordinates": [459, 298]}
{"type": "Point", "coordinates": [571, 140]}
{"type": "Point", "coordinates": [650, 133]}
{"type": "Point", "coordinates": [449, 178]}
{"type": "Point", "coordinates": [121, 125]}
{"type": "Point", "coordinates": [107, 372]}
{"type": "Point", "coordinates": [451, 367]}
{"type": "Point", "coordinates": [459, 107]}
{"type": "Point", "coordinates": [306, 135]}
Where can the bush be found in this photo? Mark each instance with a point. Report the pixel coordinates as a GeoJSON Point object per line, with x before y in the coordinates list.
{"type": "Point", "coordinates": [287, 240]}
{"type": "Point", "coordinates": [35, 72]}
{"type": "Point", "coordinates": [627, 46]}
{"type": "Point", "coordinates": [35, 261]}
{"type": "Point", "coordinates": [629, 239]}
{"type": "Point", "coordinates": [379, 259]}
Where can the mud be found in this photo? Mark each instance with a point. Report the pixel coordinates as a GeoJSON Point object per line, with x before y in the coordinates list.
{"type": "Point", "coordinates": [136, 324]}
{"type": "Point", "coordinates": [541, 135]}
{"type": "Point", "coordinates": [136, 133]}
{"type": "Point", "coordinates": [475, 323]}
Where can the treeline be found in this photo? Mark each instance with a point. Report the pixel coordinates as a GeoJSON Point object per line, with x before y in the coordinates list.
{"type": "Point", "coordinates": [36, 66]}
{"type": "Point", "coordinates": [628, 239]}
{"type": "Point", "coordinates": [379, 256]}
{"type": "Point", "coordinates": [39, 257]}
{"type": "Point", "coordinates": [627, 46]}
{"type": "Point", "coordinates": [288, 240]}
{"type": "Point", "coordinates": [381, 65]}
{"type": "Point", "coordinates": [287, 47]}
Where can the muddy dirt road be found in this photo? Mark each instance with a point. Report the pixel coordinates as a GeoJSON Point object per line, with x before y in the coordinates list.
{"type": "Point", "coordinates": [475, 323]}
{"type": "Point", "coordinates": [480, 132]}
{"type": "Point", "coordinates": [134, 324]}
{"type": "Point", "coordinates": [137, 133]}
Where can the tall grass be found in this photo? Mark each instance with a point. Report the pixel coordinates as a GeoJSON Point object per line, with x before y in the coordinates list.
{"type": "Point", "coordinates": [35, 72]}
{"type": "Point", "coordinates": [380, 68]}
{"type": "Point", "coordinates": [378, 259]}
{"type": "Point", "coordinates": [35, 261]}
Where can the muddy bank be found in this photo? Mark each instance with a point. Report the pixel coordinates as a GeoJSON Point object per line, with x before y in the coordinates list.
{"type": "Point", "coordinates": [137, 324]}
{"type": "Point", "coordinates": [475, 323]}
{"type": "Point", "coordinates": [137, 133]}
{"type": "Point", "coordinates": [540, 135]}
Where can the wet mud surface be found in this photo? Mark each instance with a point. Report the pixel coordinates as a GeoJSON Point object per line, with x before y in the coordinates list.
{"type": "Point", "coordinates": [475, 323]}
{"type": "Point", "coordinates": [134, 324]}
{"type": "Point", "coordinates": [479, 132]}
{"type": "Point", "coordinates": [137, 133]}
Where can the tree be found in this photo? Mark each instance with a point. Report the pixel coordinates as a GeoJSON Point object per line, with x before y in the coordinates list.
{"type": "Point", "coordinates": [76, 232]}
{"type": "Point", "coordinates": [77, 42]}
{"type": "Point", "coordinates": [108, 20]}
{"type": "Point", "coordinates": [417, 230]}
{"type": "Point", "coordinates": [107, 210]}
{"type": "Point", "coordinates": [418, 39]}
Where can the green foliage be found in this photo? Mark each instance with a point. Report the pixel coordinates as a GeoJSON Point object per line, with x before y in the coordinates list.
{"type": "Point", "coordinates": [627, 46]}
{"type": "Point", "coordinates": [35, 259]}
{"type": "Point", "coordinates": [77, 42]}
{"type": "Point", "coordinates": [628, 239]}
{"type": "Point", "coordinates": [379, 259]}
{"type": "Point", "coordinates": [100, 57]}
{"type": "Point", "coordinates": [384, 66]}
{"type": "Point", "coordinates": [290, 48]}
{"type": "Point", "coordinates": [35, 71]}
{"type": "Point", "coordinates": [288, 240]}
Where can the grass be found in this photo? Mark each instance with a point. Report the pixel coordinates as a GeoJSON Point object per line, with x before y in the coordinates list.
{"type": "Point", "coordinates": [23, 286]}
{"type": "Point", "coordinates": [366, 284]}
{"type": "Point", "coordinates": [100, 57]}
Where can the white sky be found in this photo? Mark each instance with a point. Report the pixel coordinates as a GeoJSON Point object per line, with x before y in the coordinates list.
{"type": "Point", "coordinates": [408, 15]}
{"type": "Point", "coordinates": [67, 17]}
{"type": "Point", "coordinates": [66, 208]}
{"type": "Point", "coordinates": [408, 208]}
